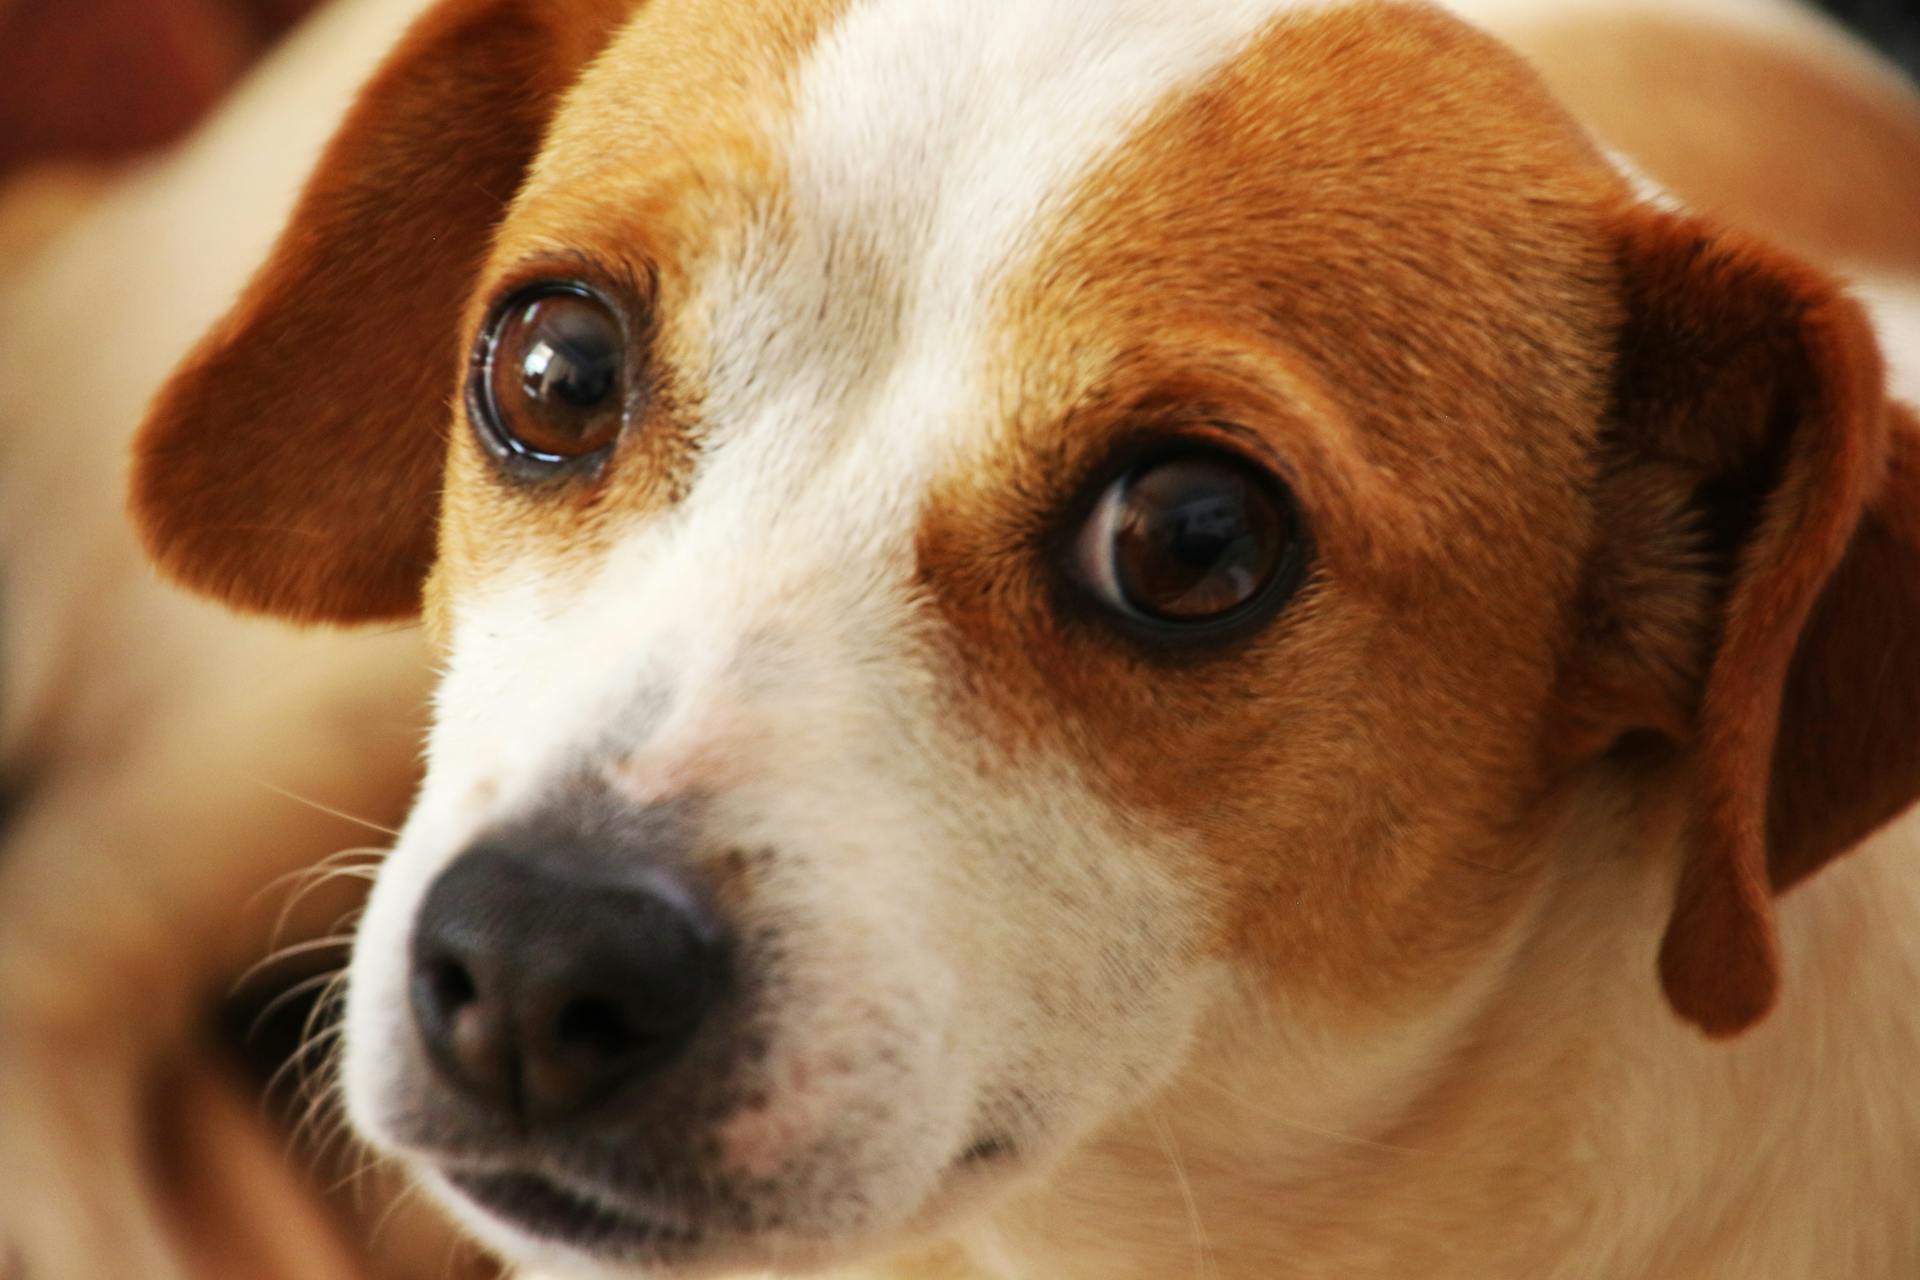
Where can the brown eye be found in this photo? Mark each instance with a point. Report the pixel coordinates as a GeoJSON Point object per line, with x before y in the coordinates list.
{"type": "Point", "coordinates": [1190, 541]}
{"type": "Point", "coordinates": [550, 376]}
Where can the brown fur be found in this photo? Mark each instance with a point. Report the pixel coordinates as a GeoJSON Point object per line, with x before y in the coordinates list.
{"type": "Point", "coordinates": [629, 220]}
{"type": "Point", "coordinates": [1733, 363]}
{"type": "Point", "coordinates": [1197, 274]}
{"type": "Point", "coordinates": [1843, 765]}
{"type": "Point", "coordinates": [1751, 375]}
{"type": "Point", "coordinates": [320, 504]}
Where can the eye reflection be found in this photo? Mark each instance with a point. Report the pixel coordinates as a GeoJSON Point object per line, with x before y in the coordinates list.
{"type": "Point", "coordinates": [551, 375]}
{"type": "Point", "coordinates": [1189, 539]}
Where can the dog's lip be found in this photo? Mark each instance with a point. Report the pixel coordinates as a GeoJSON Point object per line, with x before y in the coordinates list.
{"type": "Point", "coordinates": [544, 1208]}
{"type": "Point", "coordinates": [571, 1213]}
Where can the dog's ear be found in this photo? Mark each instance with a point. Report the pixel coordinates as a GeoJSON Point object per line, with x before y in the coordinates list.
{"type": "Point", "coordinates": [1759, 584]}
{"type": "Point", "coordinates": [292, 464]}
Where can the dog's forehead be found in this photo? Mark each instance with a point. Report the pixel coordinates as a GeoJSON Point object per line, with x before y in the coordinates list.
{"type": "Point", "coordinates": [869, 95]}
{"type": "Point", "coordinates": [915, 224]}
{"type": "Point", "coordinates": [837, 179]}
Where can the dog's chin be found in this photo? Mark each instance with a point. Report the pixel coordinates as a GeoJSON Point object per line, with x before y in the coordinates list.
{"type": "Point", "coordinates": [567, 1227]}
{"type": "Point", "coordinates": [536, 1219]}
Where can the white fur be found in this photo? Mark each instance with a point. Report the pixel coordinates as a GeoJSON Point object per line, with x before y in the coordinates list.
{"type": "Point", "coordinates": [1895, 308]}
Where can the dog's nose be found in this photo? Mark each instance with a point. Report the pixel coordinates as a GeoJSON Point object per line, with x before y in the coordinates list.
{"type": "Point", "coordinates": [546, 978]}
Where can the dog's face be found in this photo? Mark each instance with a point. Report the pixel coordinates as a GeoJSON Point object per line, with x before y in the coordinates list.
{"type": "Point", "coordinates": [968, 553]}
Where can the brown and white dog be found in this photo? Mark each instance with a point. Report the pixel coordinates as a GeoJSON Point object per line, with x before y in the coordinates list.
{"type": "Point", "coordinates": [1102, 638]}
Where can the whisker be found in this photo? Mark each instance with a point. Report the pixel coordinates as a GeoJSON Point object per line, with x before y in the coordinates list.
{"type": "Point", "coordinates": [301, 1069]}
{"type": "Point", "coordinates": [289, 1070]}
{"type": "Point", "coordinates": [1203, 1263]}
{"type": "Point", "coordinates": [333, 997]}
{"type": "Point", "coordinates": [370, 853]}
{"type": "Point", "coordinates": [362, 1163]}
{"type": "Point", "coordinates": [285, 998]}
{"type": "Point", "coordinates": [1289, 1122]}
{"type": "Point", "coordinates": [343, 1147]}
{"type": "Point", "coordinates": [290, 952]}
{"type": "Point", "coordinates": [308, 880]}
{"type": "Point", "coordinates": [332, 1142]}
{"type": "Point", "coordinates": [409, 1193]}
{"type": "Point", "coordinates": [365, 1170]}
{"type": "Point", "coordinates": [313, 1040]}
{"type": "Point", "coordinates": [329, 810]}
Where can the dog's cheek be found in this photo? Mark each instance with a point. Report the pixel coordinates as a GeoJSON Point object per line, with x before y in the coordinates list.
{"type": "Point", "coordinates": [1082, 945]}
{"type": "Point", "coordinates": [952, 952]}
{"type": "Point", "coordinates": [854, 1056]}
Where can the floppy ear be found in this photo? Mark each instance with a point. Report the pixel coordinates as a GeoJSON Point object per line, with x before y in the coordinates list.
{"type": "Point", "coordinates": [1774, 595]}
{"type": "Point", "coordinates": [292, 463]}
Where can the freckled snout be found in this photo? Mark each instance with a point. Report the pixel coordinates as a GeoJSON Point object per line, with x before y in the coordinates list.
{"type": "Point", "coordinates": [550, 978]}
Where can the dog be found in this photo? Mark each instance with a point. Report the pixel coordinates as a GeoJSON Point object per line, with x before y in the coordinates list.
{"type": "Point", "coordinates": [1103, 639]}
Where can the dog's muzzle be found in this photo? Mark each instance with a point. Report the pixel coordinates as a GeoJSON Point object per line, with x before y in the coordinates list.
{"type": "Point", "coordinates": [621, 1036]}
{"type": "Point", "coordinates": [545, 982]}
{"type": "Point", "coordinates": [577, 1026]}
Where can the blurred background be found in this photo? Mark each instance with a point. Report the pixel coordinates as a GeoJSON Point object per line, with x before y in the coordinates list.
{"type": "Point", "coordinates": [98, 79]}
{"type": "Point", "coordinates": [1894, 25]}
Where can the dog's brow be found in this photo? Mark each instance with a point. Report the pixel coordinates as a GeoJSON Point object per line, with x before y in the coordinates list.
{"type": "Point", "coordinates": [903, 101]}
{"type": "Point", "coordinates": [637, 276]}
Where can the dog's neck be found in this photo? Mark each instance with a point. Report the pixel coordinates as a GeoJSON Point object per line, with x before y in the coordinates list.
{"type": "Point", "coordinates": [1561, 1122]}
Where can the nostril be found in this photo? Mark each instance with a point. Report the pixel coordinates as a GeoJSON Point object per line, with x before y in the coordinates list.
{"type": "Point", "coordinates": [464, 1028]}
{"type": "Point", "coordinates": [600, 1026]}
{"type": "Point", "coordinates": [449, 986]}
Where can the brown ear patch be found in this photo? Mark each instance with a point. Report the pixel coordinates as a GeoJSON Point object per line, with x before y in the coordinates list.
{"type": "Point", "coordinates": [1756, 380]}
{"type": "Point", "coordinates": [1847, 758]}
{"type": "Point", "coordinates": [292, 463]}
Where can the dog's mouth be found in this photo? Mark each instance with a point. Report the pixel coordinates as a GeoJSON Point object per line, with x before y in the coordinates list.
{"type": "Point", "coordinates": [550, 1212]}
{"type": "Point", "coordinates": [543, 1209]}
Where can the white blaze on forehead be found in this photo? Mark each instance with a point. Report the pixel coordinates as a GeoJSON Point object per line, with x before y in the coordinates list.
{"type": "Point", "coordinates": [929, 143]}
{"type": "Point", "coordinates": [951, 123]}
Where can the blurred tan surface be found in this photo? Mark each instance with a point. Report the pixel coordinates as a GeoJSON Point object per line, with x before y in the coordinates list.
{"type": "Point", "coordinates": [170, 764]}
{"type": "Point", "coordinates": [97, 79]}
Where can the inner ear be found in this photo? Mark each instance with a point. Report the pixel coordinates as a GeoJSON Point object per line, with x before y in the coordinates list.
{"type": "Point", "coordinates": [1646, 619]}
{"type": "Point", "coordinates": [292, 463]}
{"type": "Point", "coordinates": [1674, 517]}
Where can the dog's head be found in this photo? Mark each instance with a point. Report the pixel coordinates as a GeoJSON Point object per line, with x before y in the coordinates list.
{"type": "Point", "coordinates": [969, 546]}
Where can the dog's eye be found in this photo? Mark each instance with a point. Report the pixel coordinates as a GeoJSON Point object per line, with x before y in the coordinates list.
{"type": "Point", "coordinates": [1190, 541]}
{"type": "Point", "coordinates": [550, 375]}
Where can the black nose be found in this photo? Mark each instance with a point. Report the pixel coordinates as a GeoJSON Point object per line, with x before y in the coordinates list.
{"type": "Point", "coordinates": [546, 978]}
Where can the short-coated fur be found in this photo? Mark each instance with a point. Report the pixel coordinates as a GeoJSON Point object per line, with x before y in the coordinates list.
{"type": "Point", "coordinates": [1380, 942]}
